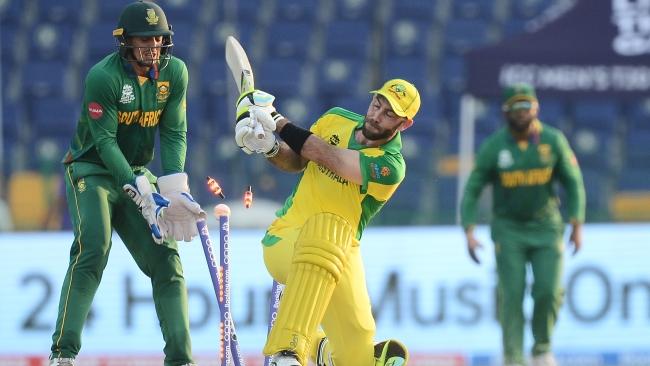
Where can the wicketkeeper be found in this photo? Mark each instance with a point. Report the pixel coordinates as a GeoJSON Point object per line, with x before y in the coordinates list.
{"type": "Point", "coordinates": [129, 96]}
{"type": "Point", "coordinates": [350, 166]}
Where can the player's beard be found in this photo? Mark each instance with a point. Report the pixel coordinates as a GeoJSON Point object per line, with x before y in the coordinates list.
{"type": "Point", "coordinates": [381, 134]}
{"type": "Point", "coordinates": [519, 125]}
{"type": "Point", "coordinates": [378, 135]}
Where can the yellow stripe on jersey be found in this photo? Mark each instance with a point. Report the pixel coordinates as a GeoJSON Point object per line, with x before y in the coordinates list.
{"type": "Point", "coordinates": [381, 192]}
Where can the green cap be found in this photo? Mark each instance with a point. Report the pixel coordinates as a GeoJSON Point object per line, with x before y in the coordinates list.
{"type": "Point", "coordinates": [519, 96]}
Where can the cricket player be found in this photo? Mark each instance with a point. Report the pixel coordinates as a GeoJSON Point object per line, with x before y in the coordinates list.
{"type": "Point", "coordinates": [129, 96]}
{"type": "Point", "coordinates": [522, 162]}
{"type": "Point", "coordinates": [350, 166]}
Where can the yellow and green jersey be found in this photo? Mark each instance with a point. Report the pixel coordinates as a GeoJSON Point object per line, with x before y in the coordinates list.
{"type": "Point", "coordinates": [121, 113]}
{"type": "Point", "coordinates": [523, 175]}
{"type": "Point", "coordinates": [321, 190]}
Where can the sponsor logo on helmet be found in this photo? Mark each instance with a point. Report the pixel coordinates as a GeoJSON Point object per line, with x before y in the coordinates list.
{"type": "Point", "coordinates": [163, 91]}
{"type": "Point", "coordinates": [127, 94]}
{"type": "Point", "coordinates": [151, 18]}
{"type": "Point", "coordinates": [95, 110]}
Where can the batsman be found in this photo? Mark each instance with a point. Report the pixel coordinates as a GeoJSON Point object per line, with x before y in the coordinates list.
{"type": "Point", "coordinates": [129, 96]}
{"type": "Point", "coordinates": [349, 166]}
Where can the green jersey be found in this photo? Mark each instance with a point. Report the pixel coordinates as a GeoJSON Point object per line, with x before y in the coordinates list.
{"type": "Point", "coordinates": [321, 190]}
{"type": "Point", "coordinates": [522, 175]}
{"type": "Point", "coordinates": [121, 112]}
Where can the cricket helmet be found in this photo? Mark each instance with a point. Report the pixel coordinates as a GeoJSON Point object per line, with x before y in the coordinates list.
{"type": "Point", "coordinates": [143, 19]}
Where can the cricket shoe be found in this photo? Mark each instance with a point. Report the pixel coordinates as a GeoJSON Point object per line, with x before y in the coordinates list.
{"type": "Point", "coordinates": [544, 359]}
{"type": "Point", "coordinates": [391, 353]}
{"type": "Point", "coordinates": [62, 361]}
{"type": "Point", "coordinates": [284, 358]}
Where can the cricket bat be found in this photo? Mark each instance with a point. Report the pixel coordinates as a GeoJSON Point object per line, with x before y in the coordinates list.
{"type": "Point", "coordinates": [242, 72]}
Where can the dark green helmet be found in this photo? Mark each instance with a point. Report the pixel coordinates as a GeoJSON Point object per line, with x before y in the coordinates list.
{"type": "Point", "coordinates": [143, 19]}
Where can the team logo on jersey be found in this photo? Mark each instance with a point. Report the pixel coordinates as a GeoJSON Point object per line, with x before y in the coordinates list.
{"type": "Point", "coordinates": [377, 171]}
{"type": "Point", "coordinates": [151, 18]}
{"type": "Point", "coordinates": [163, 91]}
{"type": "Point", "coordinates": [127, 94]}
{"type": "Point", "coordinates": [95, 110]}
{"type": "Point", "coordinates": [505, 159]}
{"type": "Point", "coordinates": [334, 140]}
{"type": "Point", "coordinates": [81, 185]}
{"type": "Point", "coordinates": [544, 151]}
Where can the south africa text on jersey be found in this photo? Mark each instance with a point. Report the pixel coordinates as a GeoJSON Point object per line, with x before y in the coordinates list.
{"type": "Point", "coordinates": [144, 119]}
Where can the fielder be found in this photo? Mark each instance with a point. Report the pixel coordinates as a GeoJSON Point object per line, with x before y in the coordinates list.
{"type": "Point", "coordinates": [350, 166]}
{"type": "Point", "coordinates": [522, 162]}
{"type": "Point", "coordinates": [128, 96]}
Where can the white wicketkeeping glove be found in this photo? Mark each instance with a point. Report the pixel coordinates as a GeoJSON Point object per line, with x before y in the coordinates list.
{"type": "Point", "coordinates": [151, 204]}
{"type": "Point", "coordinates": [180, 218]}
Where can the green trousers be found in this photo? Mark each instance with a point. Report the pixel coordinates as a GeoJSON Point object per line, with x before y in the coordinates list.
{"type": "Point", "coordinates": [96, 206]}
{"type": "Point", "coordinates": [518, 244]}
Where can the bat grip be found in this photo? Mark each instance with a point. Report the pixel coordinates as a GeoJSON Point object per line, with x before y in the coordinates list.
{"type": "Point", "coordinates": [257, 127]}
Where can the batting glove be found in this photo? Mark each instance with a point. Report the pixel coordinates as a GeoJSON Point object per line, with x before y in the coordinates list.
{"type": "Point", "coordinates": [151, 204]}
{"type": "Point", "coordinates": [257, 98]}
{"type": "Point", "coordinates": [245, 131]}
{"type": "Point", "coordinates": [180, 218]}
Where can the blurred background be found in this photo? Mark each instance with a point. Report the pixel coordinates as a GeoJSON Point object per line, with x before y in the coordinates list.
{"type": "Point", "coordinates": [315, 54]}
{"type": "Point", "coordinates": [312, 54]}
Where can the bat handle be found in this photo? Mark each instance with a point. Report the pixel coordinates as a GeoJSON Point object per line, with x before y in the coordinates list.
{"type": "Point", "coordinates": [257, 127]}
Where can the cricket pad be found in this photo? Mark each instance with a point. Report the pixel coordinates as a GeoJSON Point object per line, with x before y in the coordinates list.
{"type": "Point", "coordinates": [318, 264]}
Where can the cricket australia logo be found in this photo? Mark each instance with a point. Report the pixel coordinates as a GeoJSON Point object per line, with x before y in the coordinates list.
{"type": "Point", "coordinates": [398, 90]}
{"type": "Point", "coordinates": [127, 94]}
{"type": "Point", "coordinates": [631, 19]}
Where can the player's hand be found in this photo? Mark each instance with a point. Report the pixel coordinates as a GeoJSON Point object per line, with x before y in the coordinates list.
{"type": "Point", "coordinates": [180, 218]}
{"type": "Point", "coordinates": [472, 246]}
{"type": "Point", "coordinates": [151, 204]}
{"type": "Point", "coordinates": [576, 237]}
{"type": "Point", "coordinates": [258, 118]}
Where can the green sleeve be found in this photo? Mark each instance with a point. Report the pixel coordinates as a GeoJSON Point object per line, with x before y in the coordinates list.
{"type": "Point", "coordinates": [381, 174]}
{"type": "Point", "coordinates": [100, 109]}
{"type": "Point", "coordinates": [479, 177]}
{"type": "Point", "coordinates": [173, 124]}
{"type": "Point", "coordinates": [569, 175]}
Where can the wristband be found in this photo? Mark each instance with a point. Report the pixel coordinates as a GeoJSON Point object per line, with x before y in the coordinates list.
{"type": "Point", "coordinates": [294, 136]}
